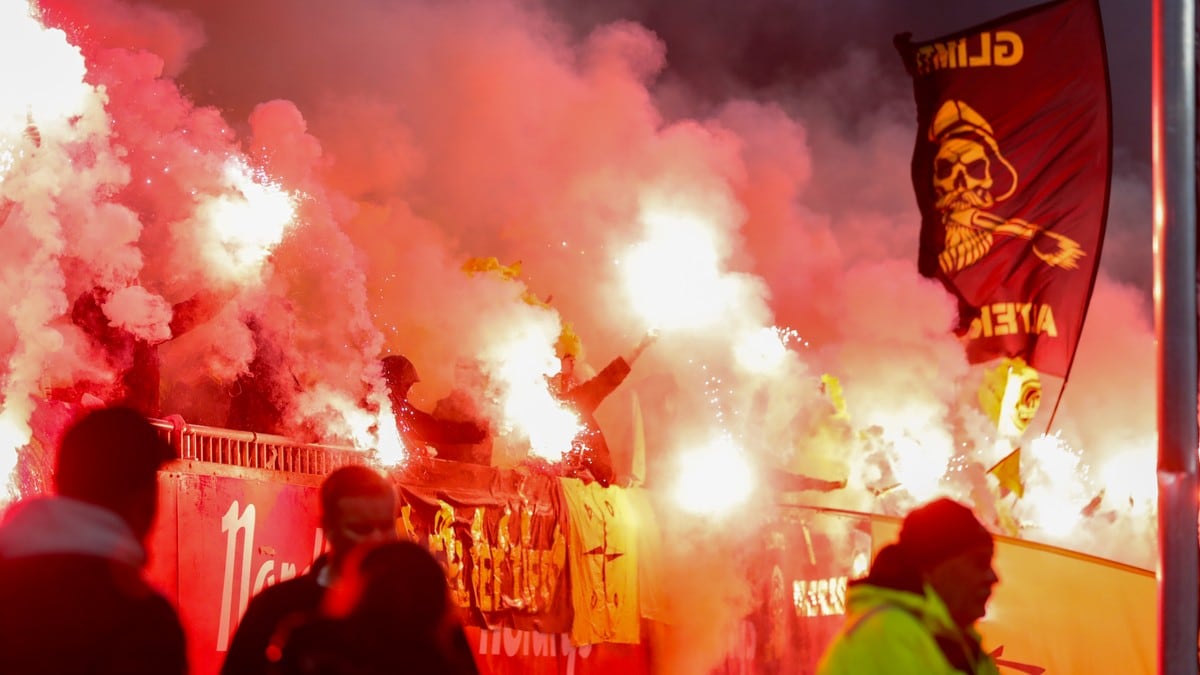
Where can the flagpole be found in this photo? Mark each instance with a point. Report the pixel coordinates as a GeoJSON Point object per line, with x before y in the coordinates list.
{"type": "Point", "coordinates": [1175, 318]}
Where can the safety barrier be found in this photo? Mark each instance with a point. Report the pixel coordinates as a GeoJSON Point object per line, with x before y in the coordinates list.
{"type": "Point", "coordinates": [253, 450]}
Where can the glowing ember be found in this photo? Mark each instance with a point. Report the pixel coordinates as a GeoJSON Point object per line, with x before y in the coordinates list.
{"type": "Point", "coordinates": [713, 479]}
{"type": "Point", "coordinates": [249, 221]}
{"type": "Point", "coordinates": [860, 565]}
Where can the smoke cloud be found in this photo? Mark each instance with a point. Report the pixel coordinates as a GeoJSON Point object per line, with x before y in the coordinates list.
{"type": "Point", "coordinates": [400, 139]}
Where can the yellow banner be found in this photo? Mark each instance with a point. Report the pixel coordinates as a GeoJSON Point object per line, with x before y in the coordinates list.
{"type": "Point", "coordinates": [603, 563]}
{"type": "Point", "coordinates": [1058, 612]}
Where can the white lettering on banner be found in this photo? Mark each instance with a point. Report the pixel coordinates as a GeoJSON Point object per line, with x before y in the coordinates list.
{"type": "Point", "coordinates": [319, 544]}
{"type": "Point", "coordinates": [237, 520]}
{"type": "Point", "coordinates": [531, 643]}
{"type": "Point", "coordinates": [232, 523]}
{"type": "Point", "coordinates": [819, 597]}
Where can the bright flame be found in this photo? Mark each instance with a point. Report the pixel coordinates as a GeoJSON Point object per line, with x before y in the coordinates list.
{"type": "Point", "coordinates": [249, 221]}
{"type": "Point", "coordinates": [47, 88]}
{"type": "Point", "coordinates": [1056, 486]}
{"type": "Point", "coordinates": [761, 351]}
{"type": "Point", "coordinates": [673, 278]}
{"type": "Point", "coordinates": [528, 408]}
{"type": "Point", "coordinates": [1130, 477]}
{"type": "Point", "coordinates": [919, 466]}
{"type": "Point", "coordinates": [44, 99]}
{"type": "Point", "coordinates": [344, 417]}
{"type": "Point", "coordinates": [13, 435]}
{"type": "Point", "coordinates": [713, 479]}
{"type": "Point", "coordinates": [389, 448]}
{"type": "Point", "coordinates": [860, 565]}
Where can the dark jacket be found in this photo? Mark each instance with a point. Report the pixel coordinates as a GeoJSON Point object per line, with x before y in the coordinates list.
{"type": "Point", "coordinates": [73, 600]}
{"type": "Point", "coordinates": [287, 602]}
{"type": "Point", "coordinates": [276, 611]}
{"type": "Point", "coordinates": [589, 450]}
{"type": "Point", "coordinates": [351, 647]}
{"type": "Point", "coordinates": [419, 428]}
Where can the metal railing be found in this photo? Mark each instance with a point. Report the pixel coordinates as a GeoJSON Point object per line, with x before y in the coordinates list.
{"type": "Point", "coordinates": [253, 450]}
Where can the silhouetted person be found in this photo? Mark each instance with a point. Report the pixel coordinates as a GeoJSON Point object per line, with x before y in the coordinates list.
{"type": "Point", "coordinates": [462, 405]}
{"type": "Point", "coordinates": [134, 359]}
{"type": "Point", "coordinates": [390, 612]}
{"type": "Point", "coordinates": [915, 611]}
{"type": "Point", "coordinates": [72, 596]}
{"type": "Point", "coordinates": [418, 429]}
{"type": "Point", "coordinates": [589, 457]}
{"type": "Point", "coordinates": [259, 396]}
{"type": "Point", "coordinates": [358, 505]}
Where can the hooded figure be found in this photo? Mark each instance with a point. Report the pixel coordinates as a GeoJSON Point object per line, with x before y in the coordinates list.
{"type": "Point", "coordinates": [418, 429]}
{"type": "Point", "coordinates": [72, 595]}
{"type": "Point", "coordinates": [915, 612]}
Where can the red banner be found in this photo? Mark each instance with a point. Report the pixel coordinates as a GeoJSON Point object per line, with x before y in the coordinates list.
{"type": "Point", "coordinates": [507, 651]}
{"type": "Point", "coordinates": [224, 534]}
{"type": "Point", "coordinates": [501, 538]}
{"type": "Point", "coordinates": [221, 539]}
{"type": "Point", "coordinates": [1011, 170]}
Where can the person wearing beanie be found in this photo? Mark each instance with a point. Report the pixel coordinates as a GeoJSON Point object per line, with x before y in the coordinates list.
{"type": "Point", "coordinates": [915, 611]}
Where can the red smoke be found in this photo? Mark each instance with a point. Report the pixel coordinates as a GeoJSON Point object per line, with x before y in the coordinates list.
{"type": "Point", "coordinates": [415, 135]}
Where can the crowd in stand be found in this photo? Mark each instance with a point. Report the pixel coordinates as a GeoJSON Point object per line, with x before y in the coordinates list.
{"type": "Point", "coordinates": [457, 429]}
{"type": "Point", "coordinates": [73, 598]}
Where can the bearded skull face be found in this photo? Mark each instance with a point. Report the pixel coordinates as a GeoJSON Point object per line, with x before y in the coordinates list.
{"type": "Point", "coordinates": [962, 175]}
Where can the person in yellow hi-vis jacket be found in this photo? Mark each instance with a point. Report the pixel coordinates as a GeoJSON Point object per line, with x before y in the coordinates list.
{"type": "Point", "coordinates": [914, 613]}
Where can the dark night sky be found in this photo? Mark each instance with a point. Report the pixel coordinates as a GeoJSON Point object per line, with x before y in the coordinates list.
{"type": "Point", "coordinates": [767, 45]}
{"type": "Point", "coordinates": [717, 48]}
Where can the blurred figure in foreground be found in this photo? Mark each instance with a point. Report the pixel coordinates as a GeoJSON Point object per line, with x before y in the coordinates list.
{"type": "Point", "coordinates": [358, 505]}
{"type": "Point", "coordinates": [72, 595]}
{"type": "Point", "coordinates": [358, 508]}
{"type": "Point", "coordinates": [915, 611]}
{"type": "Point", "coordinates": [389, 613]}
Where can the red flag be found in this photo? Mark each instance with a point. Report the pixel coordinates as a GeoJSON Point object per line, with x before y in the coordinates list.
{"type": "Point", "coordinates": [1011, 171]}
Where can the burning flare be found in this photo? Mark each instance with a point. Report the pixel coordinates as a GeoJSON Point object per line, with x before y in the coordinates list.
{"type": "Point", "coordinates": [389, 447]}
{"type": "Point", "coordinates": [673, 277]}
{"type": "Point", "coordinates": [714, 478]}
{"type": "Point", "coordinates": [1057, 487]}
{"type": "Point", "coordinates": [248, 220]}
{"type": "Point", "coordinates": [529, 411]}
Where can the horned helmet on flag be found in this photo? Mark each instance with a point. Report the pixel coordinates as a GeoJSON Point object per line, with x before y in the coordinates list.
{"type": "Point", "coordinates": [967, 177]}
